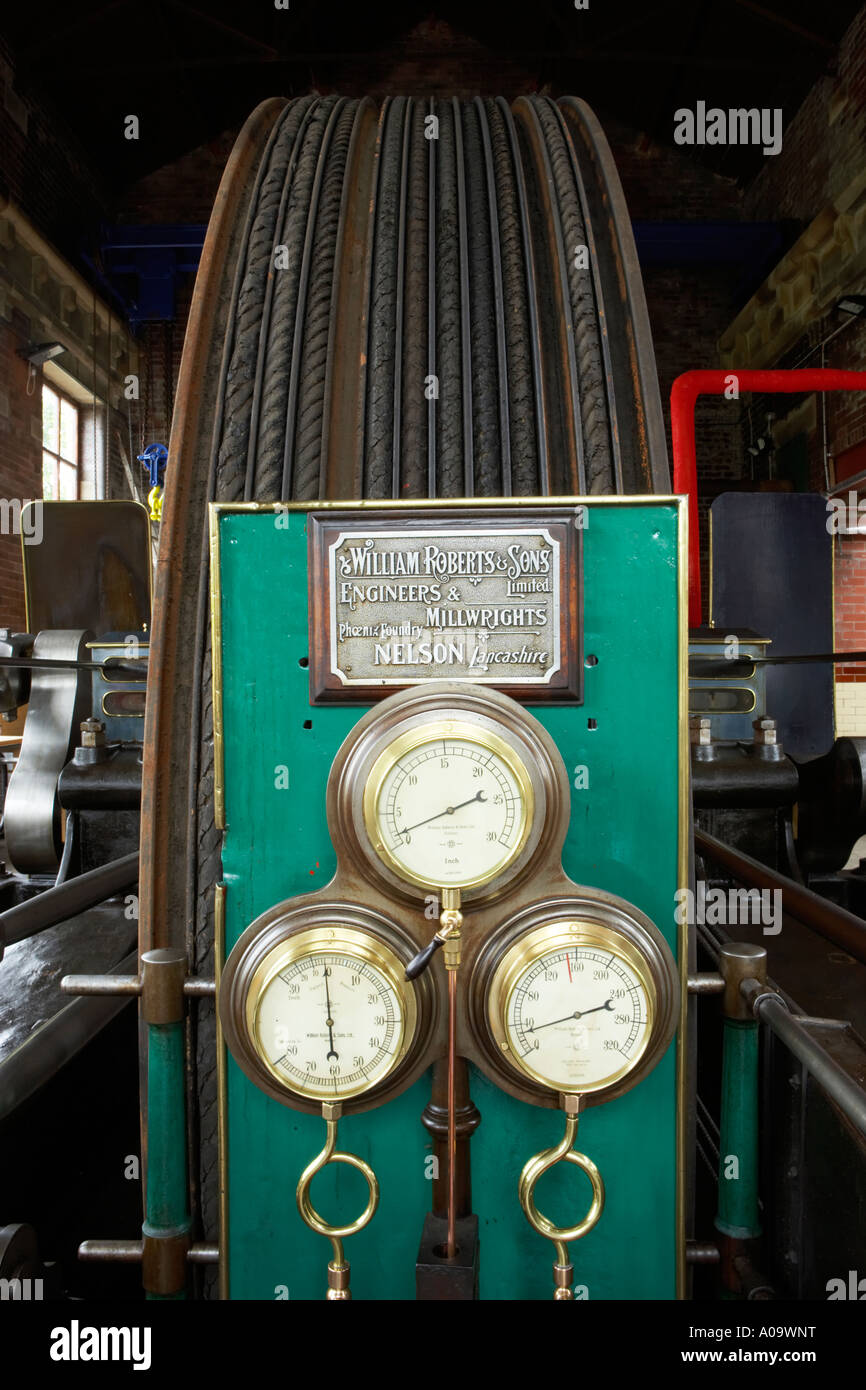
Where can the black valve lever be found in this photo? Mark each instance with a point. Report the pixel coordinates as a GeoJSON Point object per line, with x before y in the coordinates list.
{"type": "Point", "coordinates": [450, 921]}
{"type": "Point", "coordinates": [418, 964]}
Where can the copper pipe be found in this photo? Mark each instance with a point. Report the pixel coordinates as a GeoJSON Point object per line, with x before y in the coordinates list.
{"type": "Point", "coordinates": [435, 1121]}
{"type": "Point", "coordinates": [452, 1113]}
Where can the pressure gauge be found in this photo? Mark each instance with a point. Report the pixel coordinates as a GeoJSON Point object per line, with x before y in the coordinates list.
{"type": "Point", "coordinates": [448, 804]}
{"type": "Point", "coordinates": [329, 1013]}
{"type": "Point", "coordinates": [581, 996]}
{"type": "Point", "coordinates": [322, 1012]}
{"type": "Point", "coordinates": [447, 786]}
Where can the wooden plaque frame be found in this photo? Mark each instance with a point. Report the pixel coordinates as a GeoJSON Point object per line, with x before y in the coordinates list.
{"type": "Point", "coordinates": [565, 525]}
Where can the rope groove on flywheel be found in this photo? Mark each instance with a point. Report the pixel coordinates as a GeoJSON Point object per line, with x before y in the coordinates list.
{"type": "Point", "coordinates": [428, 298]}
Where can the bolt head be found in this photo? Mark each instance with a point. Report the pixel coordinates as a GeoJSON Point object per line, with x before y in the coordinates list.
{"type": "Point", "coordinates": [92, 733]}
{"type": "Point", "coordinates": [765, 731]}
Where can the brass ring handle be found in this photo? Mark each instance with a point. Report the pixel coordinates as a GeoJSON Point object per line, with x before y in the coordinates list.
{"type": "Point", "coordinates": [338, 1269]}
{"type": "Point", "coordinates": [308, 1212]}
{"type": "Point", "coordinates": [529, 1177]}
{"type": "Point", "coordinates": [561, 1235]}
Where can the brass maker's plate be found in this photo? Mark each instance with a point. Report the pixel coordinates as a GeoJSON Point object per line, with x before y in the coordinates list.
{"type": "Point", "coordinates": [491, 597]}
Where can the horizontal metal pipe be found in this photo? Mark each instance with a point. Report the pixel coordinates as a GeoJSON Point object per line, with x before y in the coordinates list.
{"type": "Point", "coordinates": [59, 904]}
{"type": "Point", "coordinates": [836, 1083]}
{"type": "Point", "coordinates": [834, 922]}
{"type": "Point", "coordinates": [706, 982]}
{"type": "Point", "coordinates": [130, 1252]}
{"type": "Point", "coordinates": [199, 988]}
{"type": "Point", "coordinates": [127, 1252]}
{"type": "Point", "coordinates": [707, 667]}
{"type": "Point", "coordinates": [115, 665]}
{"type": "Point", "coordinates": [203, 1254]}
{"type": "Point", "coordinates": [101, 984]}
{"type": "Point", "coordinates": [702, 1253]}
{"type": "Point", "coordinates": [196, 987]}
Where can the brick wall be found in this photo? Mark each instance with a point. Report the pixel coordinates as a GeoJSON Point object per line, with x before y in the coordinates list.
{"type": "Point", "coordinates": [822, 154]}
{"type": "Point", "coordinates": [44, 169]}
{"type": "Point", "coordinates": [20, 457]}
{"type": "Point", "coordinates": [850, 595]}
{"type": "Point", "coordinates": [823, 143]}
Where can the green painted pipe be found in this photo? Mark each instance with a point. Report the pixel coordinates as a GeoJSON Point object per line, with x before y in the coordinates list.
{"type": "Point", "coordinates": [166, 1203]}
{"type": "Point", "coordinates": [738, 1132]}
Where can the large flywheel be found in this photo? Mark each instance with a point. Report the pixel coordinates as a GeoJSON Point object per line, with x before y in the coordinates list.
{"type": "Point", "coordinates": [412, 299]}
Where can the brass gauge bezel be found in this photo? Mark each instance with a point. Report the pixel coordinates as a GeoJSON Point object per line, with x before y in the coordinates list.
{"type": "Point", "coordinates": [441, 731]}
{"type": "Point", "coordinates": [331, 941]}
{"type": "Point", "coordinates": [289, 932]}
{"type": "Point", "coordinates": [547, 940]}
{"type": "Point", "coordinates": [410, 719]}
{"type": "Point", "coordinates": [590, 918]}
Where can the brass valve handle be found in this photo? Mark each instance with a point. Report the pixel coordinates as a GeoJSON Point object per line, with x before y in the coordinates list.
{"type": "Point", "coordinates": [450, 922]}
{"type": "Point", "coordinates": [338, 1268]}
{"type": "Point", "coordinates": [564, 1151]}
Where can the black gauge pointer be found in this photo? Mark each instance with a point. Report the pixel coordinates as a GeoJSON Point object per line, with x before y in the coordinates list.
{"type": "Point", "coordinates": [578, 1013]}
{"type": "Point", "coordinates": [330, 1021]}
{"type": "Point", "coordinates": [449, 811]}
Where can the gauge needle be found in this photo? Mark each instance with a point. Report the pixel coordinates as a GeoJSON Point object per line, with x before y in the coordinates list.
{"type": "Point", "coordinates": [578, 1013]}
{"type": "Point", "coordinates": [449, 811]}
{"type": "Point", "coordinates": [330, 1021]}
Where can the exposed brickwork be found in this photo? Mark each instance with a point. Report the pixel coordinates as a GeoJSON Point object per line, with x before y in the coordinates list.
{"type": "Point", "coordinates": [44, 169]}
{"type": "Point", "coordinates": [20, 458]}
{"type": "Point", "coordinates": [822, 155]}
{"type": "Point", "coordinates": [850, 601]}
{"type": "Point", "coordinates": [823, 142]}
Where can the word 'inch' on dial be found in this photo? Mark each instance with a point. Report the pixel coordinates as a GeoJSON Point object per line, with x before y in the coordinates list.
{"type": "Point", "coordinates": [448, 806]}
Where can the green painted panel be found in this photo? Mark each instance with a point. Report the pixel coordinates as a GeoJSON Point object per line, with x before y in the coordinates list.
{"type": "Point", "coordinates": [623, 837]}
{"type": "Point", "coordinates": [167, 1204]}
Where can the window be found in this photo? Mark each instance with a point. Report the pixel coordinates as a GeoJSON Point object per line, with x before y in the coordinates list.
{"type": "Point", "coordinates": [59, 446]}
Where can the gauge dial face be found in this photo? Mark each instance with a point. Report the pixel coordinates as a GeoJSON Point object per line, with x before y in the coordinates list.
{"type": "Point", "coordinates": [328, 1023]}
{"type": "Point", "coordinates": [448, 806]}
{"type": "Point", "coordinates": [576, 1015]}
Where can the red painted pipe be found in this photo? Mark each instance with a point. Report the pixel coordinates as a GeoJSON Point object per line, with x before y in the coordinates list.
{"type": "Point", "coordinates": [685, 392]}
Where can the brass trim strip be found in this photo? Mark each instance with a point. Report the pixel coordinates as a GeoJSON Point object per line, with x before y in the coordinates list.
{"type": "Point", "coordinates": [447, 503]}
{"type": "Point", "coordinates": [124, 691]}
{"type": "Point", "coordinates": [219, 918]}
{"type": "Point", "coordinates": [143, 642]}
{"type": "Point", "coordinates": [216, 663]}
{"type": "Point", "coordinates": [717, 689]}
{"type": "Point", "coordinates": [215, 509]}
{"type": "Point", "coordinates": [683, 878]}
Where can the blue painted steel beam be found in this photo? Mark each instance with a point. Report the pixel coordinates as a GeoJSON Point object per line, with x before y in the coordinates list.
{"type": "Point", "coordinates": [156, 254]}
